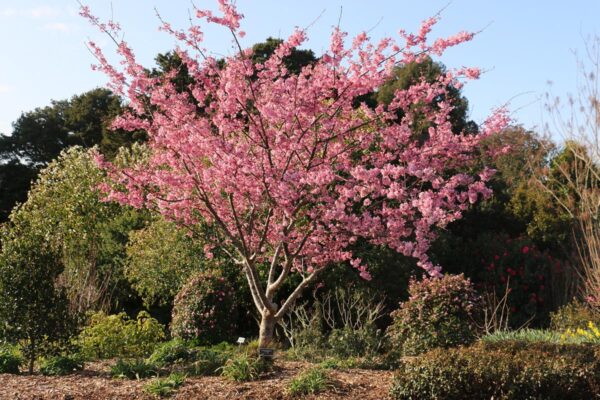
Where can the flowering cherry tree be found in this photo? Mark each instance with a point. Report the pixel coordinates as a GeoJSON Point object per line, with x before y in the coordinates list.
{"type": "Point", "coordinates": [292, 169]}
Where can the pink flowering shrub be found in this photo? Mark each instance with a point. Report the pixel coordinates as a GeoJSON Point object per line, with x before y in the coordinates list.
{"type": "Point", "coordinates": [292, 169]}
{"type": "Point", "coordinates": [205, 309]}
{"type": "Point", "coordinates": [440, 312]}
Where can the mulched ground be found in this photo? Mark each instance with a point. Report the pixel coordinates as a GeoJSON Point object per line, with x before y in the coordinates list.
{"type": "Point", "coordinates": [95, 384]}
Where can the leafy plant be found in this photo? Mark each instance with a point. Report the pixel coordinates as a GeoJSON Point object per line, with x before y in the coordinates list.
{"type": "Point", "coordinates": [108, 336]}
{"type": "Point", "coordinates": [441, 312]}
{"type": "Point", "coordinates": [312, 381]}
{"type": "Point", "coordinates": [172, 352]}
{"type": "Point", "coordinates": [244, 367]}
{"type": "Point", "coordinates": [574, 315]}
{"type": "Point", "coordinates": [60, 365]}
{"type": "Point", "coordinates": [133, 369]}
{"type": "Point", "coordinates": [208, 361]}
{"type": "Point", "coordinates": [164, 387]}
{"type": "Point", "coordinates": [10, 361]}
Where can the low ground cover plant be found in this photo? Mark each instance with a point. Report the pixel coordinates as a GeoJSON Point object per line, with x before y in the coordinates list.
{"type": "Point", "coordinates": [133, 369]}
{"type": "Point", "coordinates": [60, 365]}
{"type": "Point", "coordinates": [312, 381]}
{"type": "Point", "coordinates": [244, 367]}
{"type": "Point", "coordinates": [164, 387]}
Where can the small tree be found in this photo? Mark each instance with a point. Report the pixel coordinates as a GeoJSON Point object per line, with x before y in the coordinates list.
{"type": "Point", "coordinates": [292, 169]}
{"type": "Point", "coordinates": [33, 310]}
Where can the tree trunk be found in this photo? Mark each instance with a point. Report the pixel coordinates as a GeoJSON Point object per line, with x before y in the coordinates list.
{"type": "Point", "coordinates": [267, 327]}
{"type": "Point", "coordinates": [31, 355]}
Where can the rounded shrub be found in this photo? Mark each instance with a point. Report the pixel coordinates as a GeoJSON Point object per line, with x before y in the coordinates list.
{"type": "Point", "coordinates": [107, 336]}
{"type": "Point", "coordinates": [10, 361]}
{"type": "Point", "coordinates": [440, 312]}
{"type": "Point", "coordinates": [205, 309]}
{"type": "Point", "coordinates": [60, 365]}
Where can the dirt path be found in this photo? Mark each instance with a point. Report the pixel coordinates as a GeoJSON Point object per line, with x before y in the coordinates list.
{"type": "Point", "coordinates": [95, 384]}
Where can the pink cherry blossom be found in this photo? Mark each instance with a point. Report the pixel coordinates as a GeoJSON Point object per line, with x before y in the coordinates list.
{"type": "Point", "coordinates": [291, 169]}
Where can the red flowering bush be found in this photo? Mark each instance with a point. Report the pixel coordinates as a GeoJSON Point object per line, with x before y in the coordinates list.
{"type": "Point", "coordinates": [523, 269]}
{"type": "Point", "coordinates": [205, 309]}
{"type": "Point", "coordinates": [440, 312]}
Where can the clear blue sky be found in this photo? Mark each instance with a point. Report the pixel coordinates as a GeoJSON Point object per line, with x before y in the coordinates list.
{"type": "Point", "coordinates": [524, 45]}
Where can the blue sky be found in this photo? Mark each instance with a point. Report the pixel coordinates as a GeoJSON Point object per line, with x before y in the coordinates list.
{"type": "Point", "coordinates": [523, 45]}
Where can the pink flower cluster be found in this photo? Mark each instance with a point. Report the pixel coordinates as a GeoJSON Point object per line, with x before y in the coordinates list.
{"type": "Point", "coordinates": [288, 165]}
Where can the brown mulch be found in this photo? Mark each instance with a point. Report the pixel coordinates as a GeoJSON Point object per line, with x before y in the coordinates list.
{"type": "Point", "coordinates": [95, 384]}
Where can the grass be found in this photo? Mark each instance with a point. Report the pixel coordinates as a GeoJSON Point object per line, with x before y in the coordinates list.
{"type": "Point", "coordinates": [165, 387]}
{"type": "Point", "coordinates": [244, 367]}
{"type": "Point", "coordinates": [524, 335]}
{"type": "Point", "coordinates": [312, 381]}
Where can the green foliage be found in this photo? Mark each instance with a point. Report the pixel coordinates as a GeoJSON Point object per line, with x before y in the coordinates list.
{"type": "Point", "coordinates": [347, 342]}
{"type": "Point", "coordinates": [205, 309]}
{"type": "Point", "coordinates": [33, 308]}
{"type": "Point", "coordinates": [65, 213]}
{"type": "Point", "coordinates": [60, 365]}
{"type": "Point", "coordinates": [244, 367]}
{"type": "Point", "coordinates": [503, 371]}
{"type": "Point", "coordinates": [208, 361]}
{"type": "Point", "coordinates": [165, 387]}
{"type": "Point", "coordinates": [311, 381]}
{"type": "Point", "coordinates": [133, 369]}
{"type": "Point", "coordinates": [573, 315]}
{"type": "Point", "coordinates": [204, 361]}
{"type": "Point", "coordinates": [108, 336]}
{"type": "Point", "coordinates": [160, 259]}
{"type": "Point", "coordinates": [524, 335]}
{"type": "Point", "coordinates": [172, 352]}
{"type": "Point", "coordinates": [10, 360]}
{"type": "Point", "coordinates": [441, 312]}
{"type": "Point", "coordinates": [40, 135]}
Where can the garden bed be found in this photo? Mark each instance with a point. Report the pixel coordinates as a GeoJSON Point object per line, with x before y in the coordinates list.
{"type": "Point", "coordinates": [95, 383]}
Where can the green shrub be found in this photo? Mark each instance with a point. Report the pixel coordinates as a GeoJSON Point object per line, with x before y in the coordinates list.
{"type": "Point", "coordinates": [501, 370]}
{"type": "Point", "coordinates": [311, 381]}
{"type": "Point", "coordinates": [133, 369]}
{"type": "Point", "coordinates": [244, 367]}
{"type": "Point", "coordinates": [208, 362]}
{"type": "Point", "coordinates": [440, 312]}
{"type": "Point", "coordinates": [164, 387]}
{"type": "Point", "coordinates": [205, 309]}
{"type": "Point", "coordinates": [108, 336]}
{"type": "Point", "coordinates": [574, 315]}
{"type": "Point", "coordinates": [60, 365]}
{"type": "Point", "coordinates": [10, 361]}
{"type": "Point", "coordinates": [347, 342]}
{"type": "Point", "coordinates": [172, 352]}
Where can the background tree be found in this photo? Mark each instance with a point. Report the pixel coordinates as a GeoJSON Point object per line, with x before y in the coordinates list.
{"type": "Point", "coordinates": [88, 235]}
{"type": "Point", "coordinates": [286, 167]}
{"type": "Point", "coordinates": [39, 136]}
